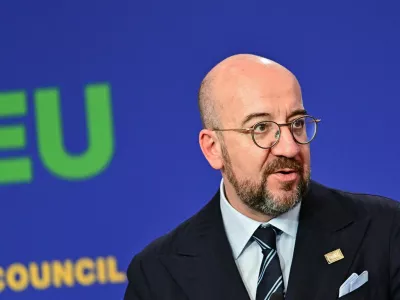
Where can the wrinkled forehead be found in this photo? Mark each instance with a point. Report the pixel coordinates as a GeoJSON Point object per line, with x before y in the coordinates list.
{"type": "Point", "coordinates": [274, 93]}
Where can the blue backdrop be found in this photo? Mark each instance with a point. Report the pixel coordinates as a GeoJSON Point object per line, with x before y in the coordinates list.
{"type": "Point", "coordinates": [99, 122]}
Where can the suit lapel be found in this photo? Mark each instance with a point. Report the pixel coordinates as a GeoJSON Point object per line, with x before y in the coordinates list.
{"type": "Point", "coordinates": [325, 224]}
{"type": "Point", "coordinates": [203, 264]}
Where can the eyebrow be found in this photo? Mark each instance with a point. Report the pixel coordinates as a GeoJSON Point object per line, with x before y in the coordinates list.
{"type": "Point", "coordinates": [253, 116]}
{"type": "Point", "coordinates": [297, 112]}
{"type": "Point", "coordinates": [258, 115]}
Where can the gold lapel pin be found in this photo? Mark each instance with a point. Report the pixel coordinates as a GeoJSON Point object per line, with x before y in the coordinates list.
{"type": "Point", "coordinates": [334, 256]}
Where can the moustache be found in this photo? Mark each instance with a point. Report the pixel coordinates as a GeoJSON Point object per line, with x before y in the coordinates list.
{"type": "Point", "coordinates": [283, 163]}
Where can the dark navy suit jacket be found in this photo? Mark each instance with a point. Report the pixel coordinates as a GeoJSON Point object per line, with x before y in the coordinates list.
{"type": "Point", "coordinates": [195, 262]}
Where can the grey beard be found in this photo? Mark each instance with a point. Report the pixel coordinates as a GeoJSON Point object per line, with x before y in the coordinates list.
{"type": "Point", "coordinates": [257, 196]}
{"type": "Point", "coordinates": [260, 199]}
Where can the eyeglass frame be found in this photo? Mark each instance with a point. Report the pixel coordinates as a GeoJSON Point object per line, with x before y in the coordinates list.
{"type": "Point", "coordinates": [252, 128]}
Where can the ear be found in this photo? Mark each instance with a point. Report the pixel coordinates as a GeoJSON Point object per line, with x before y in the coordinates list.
{"type": "Point", "coordinates": [211, 148]}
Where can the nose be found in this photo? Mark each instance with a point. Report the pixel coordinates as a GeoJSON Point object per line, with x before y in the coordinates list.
{"type": "Point", "coordinates": [286, 145]}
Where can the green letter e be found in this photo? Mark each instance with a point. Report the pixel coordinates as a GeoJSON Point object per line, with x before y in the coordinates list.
{"type": "Point", "coordinates": [99, 131]}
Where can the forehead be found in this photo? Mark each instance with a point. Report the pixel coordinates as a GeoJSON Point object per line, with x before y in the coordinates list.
{"type": "Point", "coordinates": [278, 95]}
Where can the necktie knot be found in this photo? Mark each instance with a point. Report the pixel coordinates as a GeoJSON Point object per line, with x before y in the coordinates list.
{"type": "Point", "coordinates": [265, 236]}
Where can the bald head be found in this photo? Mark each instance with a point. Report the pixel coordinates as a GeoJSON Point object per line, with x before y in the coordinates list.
{"type": "Point", "coordinates": [237, 76]}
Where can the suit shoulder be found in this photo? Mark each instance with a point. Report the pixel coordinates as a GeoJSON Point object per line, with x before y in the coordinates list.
{"type": "Point", "coordinates": [371, 204]}
{"type": "Point", "coordinates": [182, 233]}
{"type": "Point", "coordinates": [371, 201]}
{"type": "Point", "coordinates": [169, 242]}
{"type": "Point", "coordinates": [165, 243]}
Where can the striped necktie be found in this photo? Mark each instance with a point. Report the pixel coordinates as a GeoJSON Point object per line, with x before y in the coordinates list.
{"type": "Point", "coordinates": [270, 279]}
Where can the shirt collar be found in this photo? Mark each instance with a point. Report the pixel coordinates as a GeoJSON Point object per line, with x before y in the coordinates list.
{"type": "Point", "coordinates": [240, 228]}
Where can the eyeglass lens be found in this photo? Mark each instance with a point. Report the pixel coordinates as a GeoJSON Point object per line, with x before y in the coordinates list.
{"type": "Point", "coordinates": [266, 134]}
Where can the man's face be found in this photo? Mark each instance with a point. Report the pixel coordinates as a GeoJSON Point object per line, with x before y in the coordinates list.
{"type": "Point", "coordinates": [253, 171]}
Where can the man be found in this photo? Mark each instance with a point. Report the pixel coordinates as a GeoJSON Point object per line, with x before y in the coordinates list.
{"type": "Point", "coordinates": [270, 229]}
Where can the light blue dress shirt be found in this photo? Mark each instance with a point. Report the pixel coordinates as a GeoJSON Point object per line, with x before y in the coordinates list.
{"type": "Point", "coordinates": [247, 254]}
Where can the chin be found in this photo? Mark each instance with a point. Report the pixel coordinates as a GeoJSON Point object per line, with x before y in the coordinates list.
{"type": "Point", "coordinates": [283, 194]}
{"type": "Point", "coordinates": [283, 186]}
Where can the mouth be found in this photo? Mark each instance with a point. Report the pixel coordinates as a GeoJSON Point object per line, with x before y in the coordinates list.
{"type": "Point", "coordinates": [286, 171]}
{"type": "Point", "coordinates": [286, 174]}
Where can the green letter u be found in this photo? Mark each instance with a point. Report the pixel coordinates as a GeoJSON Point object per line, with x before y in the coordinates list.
{"type": "Point", "coordinates": [99, 131]}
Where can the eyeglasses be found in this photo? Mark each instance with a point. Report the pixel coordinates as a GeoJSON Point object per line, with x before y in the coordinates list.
{"type": "Point", "coordinates": [266, 134]}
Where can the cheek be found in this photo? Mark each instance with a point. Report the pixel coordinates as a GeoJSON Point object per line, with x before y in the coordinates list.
{"type": "Point", "coordinates": [247, 159]}
{"type": "Point", "coordinates": [252, 162]}
{"type": "Point", "coordinates": [305, 156]}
